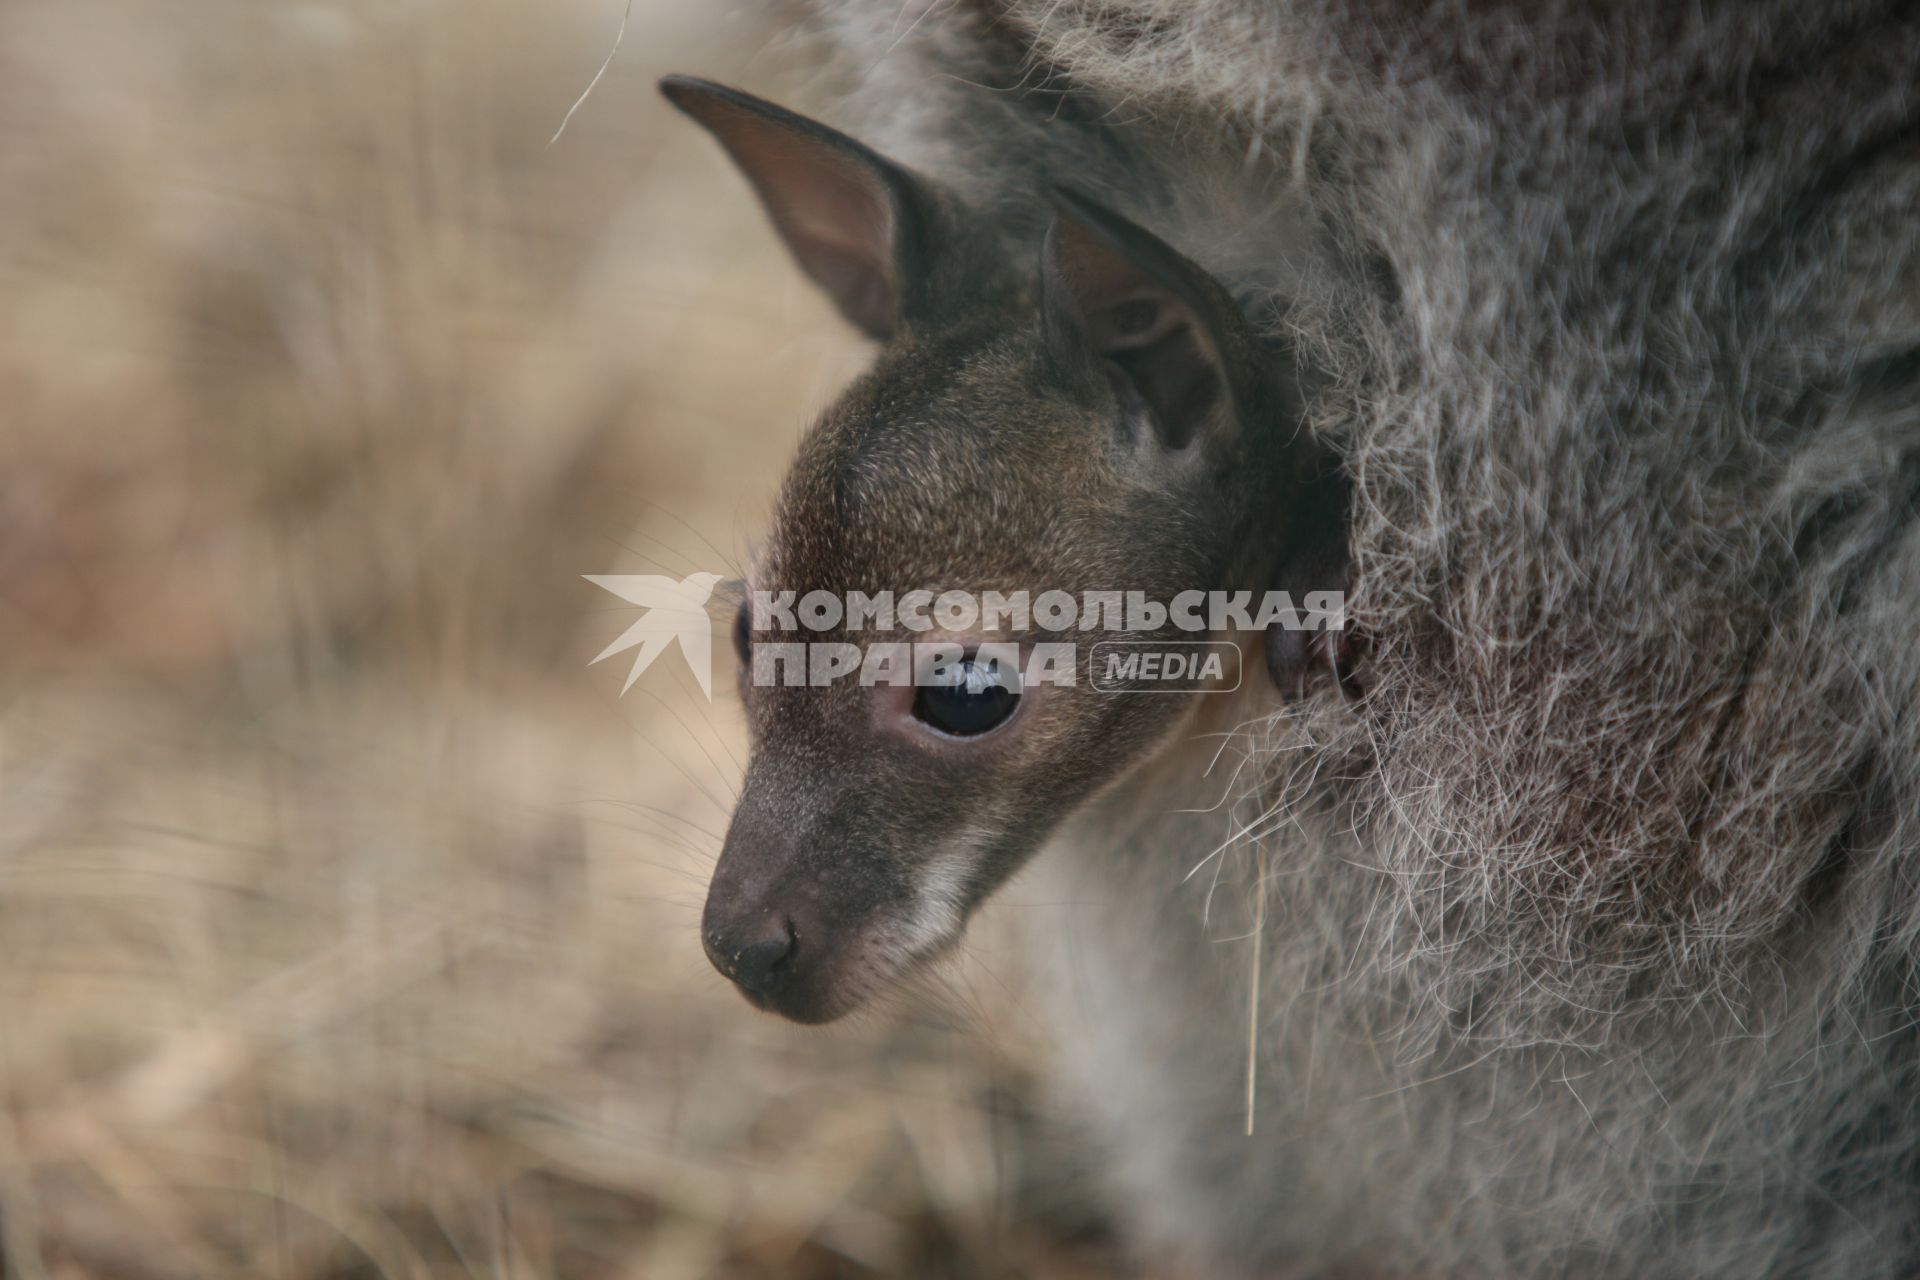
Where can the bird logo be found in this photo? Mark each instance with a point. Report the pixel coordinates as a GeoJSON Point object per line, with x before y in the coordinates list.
{"type": "Point", "coordinates": [675, 610]}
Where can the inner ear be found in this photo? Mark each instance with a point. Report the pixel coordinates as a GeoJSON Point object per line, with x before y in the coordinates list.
{"type": "Point", "coordinates": [840, 225]}
{"type": "Point", "coordinates": [1170, 368]}
{"type": "Point", "coordinates": [1114, 293]}
{"type": "Point", "coordinates": [854, 221]}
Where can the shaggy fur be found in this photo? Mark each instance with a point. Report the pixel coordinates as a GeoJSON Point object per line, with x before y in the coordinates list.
{"type": "Point", "coordinates": [1590, 932]}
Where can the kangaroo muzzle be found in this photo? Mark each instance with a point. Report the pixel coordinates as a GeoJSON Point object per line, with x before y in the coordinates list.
{"type": "Point", "coordinates": [799, 914]}
{"type": "Point", "coordinates": [770, 937]}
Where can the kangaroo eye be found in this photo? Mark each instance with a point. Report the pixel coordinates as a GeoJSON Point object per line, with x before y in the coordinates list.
{"type": "Point", "coordinates": [743, 634]}
{"type": "Point", "coordinates": [969, 698]}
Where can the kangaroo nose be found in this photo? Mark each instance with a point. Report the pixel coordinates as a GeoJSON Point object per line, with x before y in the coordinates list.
{"type": "Point", "coordinates": [759, 960]}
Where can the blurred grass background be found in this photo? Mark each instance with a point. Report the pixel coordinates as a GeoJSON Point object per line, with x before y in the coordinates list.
{"type": "Point", "coordinates": [347, 917]}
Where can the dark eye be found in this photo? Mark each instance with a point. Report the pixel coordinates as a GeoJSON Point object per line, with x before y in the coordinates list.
{"type": "Point", "coordinates": [968, 698]}
{"type": "Point", "coordinates": [743, 634]}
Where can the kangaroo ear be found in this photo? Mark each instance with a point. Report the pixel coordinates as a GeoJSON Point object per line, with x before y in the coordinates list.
{"type": "Point", "coordinates": [1113, 291]}
{"type": "Point", "coordinates": [855, 221]}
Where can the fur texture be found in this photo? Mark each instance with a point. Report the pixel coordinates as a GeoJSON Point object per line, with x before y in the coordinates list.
{"type": "Point", "coordinates": [1590, 932]}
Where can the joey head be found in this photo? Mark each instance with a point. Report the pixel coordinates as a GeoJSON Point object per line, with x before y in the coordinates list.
{"type": "Point", "coordinates": [1106, 419]}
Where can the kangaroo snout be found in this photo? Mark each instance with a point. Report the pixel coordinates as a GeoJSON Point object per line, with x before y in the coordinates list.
{"type": "Point", "coordinates": [772, 942]}
{"type": "Point", "coordinates": [823, 896]}
{"type": "Point", "coordinates": [781, 933]}
{"type": "Point", "coordinates": [756, 954]}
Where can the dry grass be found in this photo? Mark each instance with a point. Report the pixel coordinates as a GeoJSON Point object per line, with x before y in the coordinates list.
{"type": "Point", "coordinates": [346, 920]}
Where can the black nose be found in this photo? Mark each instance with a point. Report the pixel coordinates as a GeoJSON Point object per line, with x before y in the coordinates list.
{"type": "Point", "coordinates": [757, 961]}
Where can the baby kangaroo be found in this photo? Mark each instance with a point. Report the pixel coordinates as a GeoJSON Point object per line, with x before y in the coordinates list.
{"type": "Point", "coordinates": [1103, 423]}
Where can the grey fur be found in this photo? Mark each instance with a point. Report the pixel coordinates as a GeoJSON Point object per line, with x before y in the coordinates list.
{"type": "Point", "coordinates": [1591, 931]}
